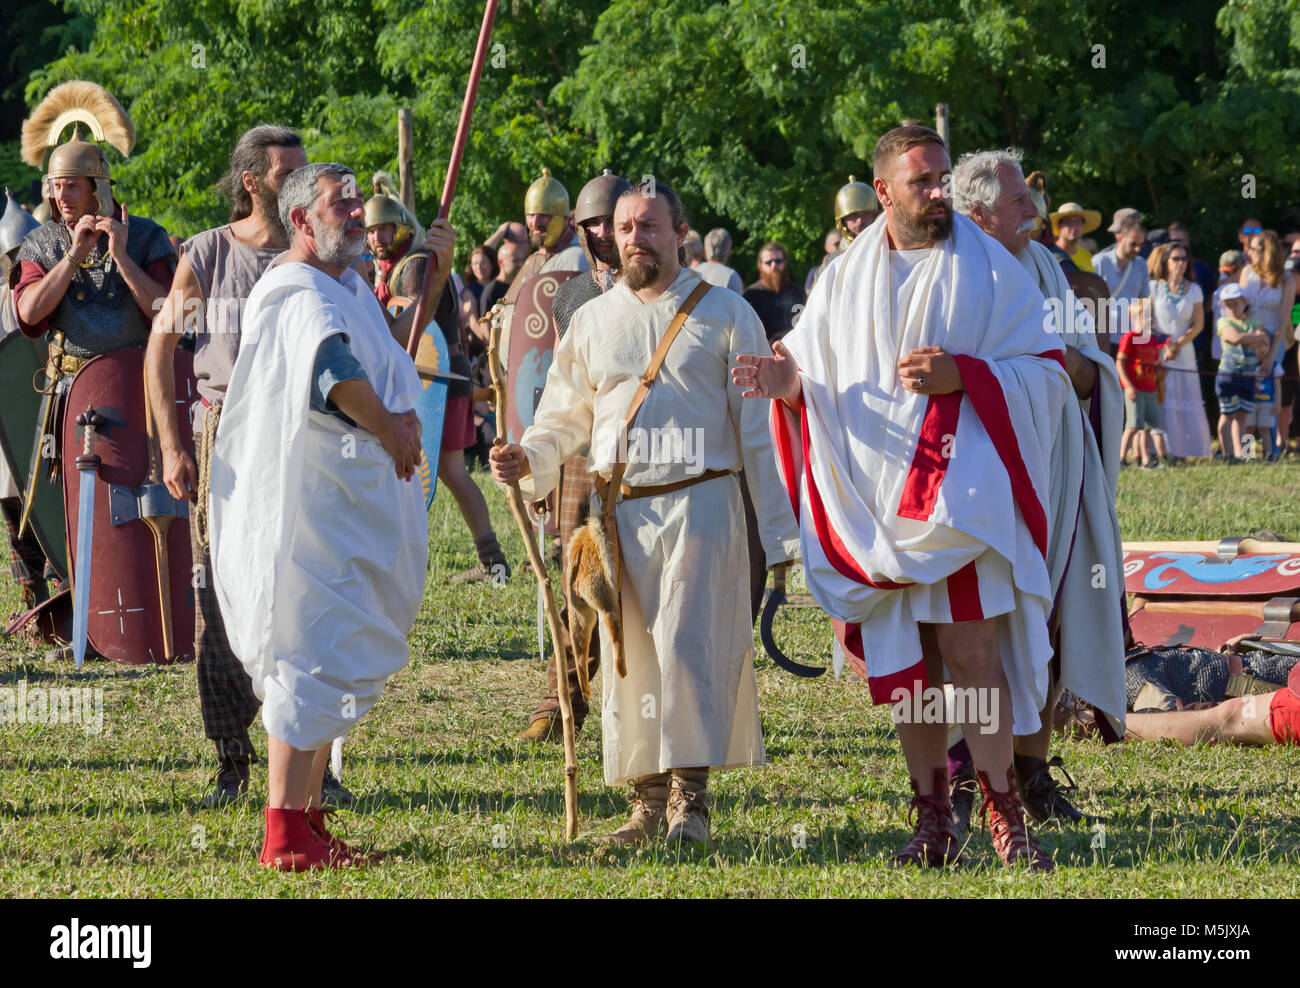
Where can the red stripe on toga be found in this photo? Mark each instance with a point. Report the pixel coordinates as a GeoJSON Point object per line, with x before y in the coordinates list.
{"type": "Point", "coordinates": [929, 462]}
{"type": "Point", "coordinates": [964, 595]}
{"type": "Point", "coordinates": [990, 405]}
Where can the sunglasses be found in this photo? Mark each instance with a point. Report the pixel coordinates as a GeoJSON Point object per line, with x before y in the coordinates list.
{"type": "Point", "coordinates": [1252, 229]}
{"type": "Point", "coordinates": [775, 260]}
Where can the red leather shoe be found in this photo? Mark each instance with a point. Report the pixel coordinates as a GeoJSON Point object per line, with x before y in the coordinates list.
{"type": "Point", "coordinates": [936, 843]}
{"type": "Point", "coordinates": [291, 844]}
{"type": "Point", "coordinates": [340, 850]}
{"type": "Point", "coordinates": [1015, 844]}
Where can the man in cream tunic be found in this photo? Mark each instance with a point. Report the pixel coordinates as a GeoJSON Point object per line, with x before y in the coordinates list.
{"type": "Point", "coordinates": [1084, 557]}
{"type": "Point", "coordinates": [319, 536]}
{"type": "Point", "coordinates": [689, 701]}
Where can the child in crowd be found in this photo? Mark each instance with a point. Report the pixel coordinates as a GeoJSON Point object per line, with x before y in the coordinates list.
{"type": "Point", "coordinates": [1244, 343]}
{"type": "Point", "coordinates": [1143, 379]}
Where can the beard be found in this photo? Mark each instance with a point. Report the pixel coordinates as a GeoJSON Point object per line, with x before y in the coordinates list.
{"type": "Point", "coordinates": [605, 251]}
{"type": "Point", "coordinates": [916, 227]}
{"type": "Point", "coordinates": [774, 281]}
{"type": "Point", "coordinates": [334, 246]}
{"type": "Point", "coordinates": [266, 204]}
{"type": "Point", "coordinates": [642, 270]}
{"type": "Point", "coordinates": [536, 239]}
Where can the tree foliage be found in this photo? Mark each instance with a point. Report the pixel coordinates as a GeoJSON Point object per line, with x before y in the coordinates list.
{"type": "Point", "coordinates": [755, 111]}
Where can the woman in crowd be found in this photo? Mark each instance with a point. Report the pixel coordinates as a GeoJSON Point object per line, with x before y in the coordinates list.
{"type": "Point", "coordinates": [480, 270]}
{"type": "Point", "coordinates": [1270, 289]}
{"type": "Point", "coordinates": [1180, 315]}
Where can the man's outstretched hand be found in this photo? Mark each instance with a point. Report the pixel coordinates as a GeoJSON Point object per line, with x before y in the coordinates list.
{"type": "Point", "coordinates": [509, 463]}
{"type": "Point", "coordinates": [929, 370]}
{"type": "Point", "coordinates": [775, 377]}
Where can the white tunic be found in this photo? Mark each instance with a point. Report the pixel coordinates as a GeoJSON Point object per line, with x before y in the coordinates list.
{"type": "Point", "coordinates": [318, 548]}
{"type": "Point", "coordinates": [689, 698]}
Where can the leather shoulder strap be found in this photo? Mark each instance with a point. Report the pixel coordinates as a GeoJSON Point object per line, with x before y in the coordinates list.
{"type": "Point", "coordinates": [661, 352]}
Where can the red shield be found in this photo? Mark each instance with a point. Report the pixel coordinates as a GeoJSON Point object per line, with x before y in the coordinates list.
{"type": "Point", "coordinates": [532, 344]}
{"type": "Point", "coordinates": [126, 616]}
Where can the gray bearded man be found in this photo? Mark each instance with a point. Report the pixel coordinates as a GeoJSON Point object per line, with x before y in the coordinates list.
{"type": "Point", "coordinates": [319, 536]}
{"type": "Point", "coordinates": [1084, 556]}
{"type": "Point", "coordinates": [217, 272]}
{"type": "Point", "coordinates": [689, 701]}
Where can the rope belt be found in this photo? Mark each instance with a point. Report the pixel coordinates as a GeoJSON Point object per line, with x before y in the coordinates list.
{"type": "Point", "coordinates": [209, 435]}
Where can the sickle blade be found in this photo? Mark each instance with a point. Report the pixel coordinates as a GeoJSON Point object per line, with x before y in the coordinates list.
{"type": "Point", "coordinates": [774, 601]}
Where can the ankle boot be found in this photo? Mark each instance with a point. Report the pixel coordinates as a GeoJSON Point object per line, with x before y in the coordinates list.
{"type": "Point", "coordinates": [1005, 819]}
{"type": "Point", "coordinates": [291, 844]}
{"type": "Point", "coordinates": [688, 806]}
{"type": "Point", "coordinates": [648, 817]}
{"type": "Point", "coordinates": [340, 850]}
{"type": "Point", "coordinates": [935, 842]}
{"type": "Point", "coordinates": [1042, 796]}
{"type": "Point", "coordinates": [234, 757]}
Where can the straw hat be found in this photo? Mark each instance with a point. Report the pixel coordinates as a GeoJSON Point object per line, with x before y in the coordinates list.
{"type": "Point", "coordinates": [1091, 218]}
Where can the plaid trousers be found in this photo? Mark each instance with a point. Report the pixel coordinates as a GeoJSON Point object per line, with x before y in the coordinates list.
{"type": "Point", "coordinates": [226, 695]}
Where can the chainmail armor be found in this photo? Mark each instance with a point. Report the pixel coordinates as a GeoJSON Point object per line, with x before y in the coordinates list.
{"type": "Point", "coordinates": [98, 313]}
{"type": "Point", "coordinates": [572, 295]}
{"type": "Point", "coordinates": [1197, 675]}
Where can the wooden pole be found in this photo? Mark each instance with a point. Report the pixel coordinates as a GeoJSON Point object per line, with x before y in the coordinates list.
{"type": "Point", "coordinates": [453, 168]}
{"type": "Point", "coordinates": [1245, 547]}
{"type": "Point", "coordinates": [405, 159]}
{"type": "Point", "coordinates": [941, 123]}
{"type": "Point", "coordinates": [516, 501]}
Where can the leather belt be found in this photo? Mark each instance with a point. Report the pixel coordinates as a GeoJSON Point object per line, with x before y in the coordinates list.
{"type": "Point", "coordinates": [654, 490]}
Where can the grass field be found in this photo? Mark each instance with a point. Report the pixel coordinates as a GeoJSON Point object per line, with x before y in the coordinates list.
{"type": "Point", "coordinates": [467, 811]}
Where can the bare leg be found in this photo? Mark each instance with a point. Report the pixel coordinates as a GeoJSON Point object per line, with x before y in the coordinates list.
{"type": "Point", "coordinates": [1242, 720]}
{"type": "Point", "coordinates": [1226, 446]}
{"type": "Point", "coordinates": [1126, 443]}
{"type": "Point", "coordinates": [289, 774]}
{"type": "Point", "coordinates": [1234, 429]}
{"type": "Point", "coordinates": [925, 746]}
{"type": "Point", "coordinates": [1144, 446]}
{"type": "Point", "coordinates": [315, 783]}
{"type": "Point", "coordinates": [473, 507]}
{"type": "Point", "coordinates": [970, 650]}
{"type": "Point", "coordinates": [1158, 439]}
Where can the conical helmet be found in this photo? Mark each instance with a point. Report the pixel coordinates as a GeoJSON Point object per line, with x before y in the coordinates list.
{"type": "Point", "coordinates": [383, 209]}
{"type": "Point", "coordinates": [546, 196]}
{"type": "Point", "coordinates": [855, 197]}
{"type": "Point", "coordinates": [598, 196]}
{"type": "Point", "coordinates": [77, 102]}
{"type": "Point", "coordinates": [15, 224]}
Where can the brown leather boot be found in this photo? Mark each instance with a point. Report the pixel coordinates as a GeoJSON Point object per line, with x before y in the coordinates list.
{"type": "Point", "coordinates": [649, 806]}
{"type": "Point", "coordinates": [1015, 845]}
{"type": "Point", "coordinates": [935, 842]}
{"type": "Point", "coordinates": [688, 807]}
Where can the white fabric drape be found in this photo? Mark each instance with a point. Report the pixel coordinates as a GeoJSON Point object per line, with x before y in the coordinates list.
{"type": "Point", "coordinates": [318, 548]}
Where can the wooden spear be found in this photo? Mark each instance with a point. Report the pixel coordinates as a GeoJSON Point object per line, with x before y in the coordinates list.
{"type": "Point", "coordinates": [516, 501]}
{"type": "Point", "coordinates": [453, 169]}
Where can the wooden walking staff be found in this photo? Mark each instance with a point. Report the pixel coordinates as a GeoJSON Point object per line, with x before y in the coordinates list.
{"type": "Point", "coordinates": [516, 501]}
{"type": "Point", "coordinates": [453, 169]}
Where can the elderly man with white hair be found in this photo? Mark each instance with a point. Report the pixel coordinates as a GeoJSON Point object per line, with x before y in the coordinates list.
{"type": "Point", "coordinates": [319, 536]}
{"type": "Point", "coordinates": [1084, 556]}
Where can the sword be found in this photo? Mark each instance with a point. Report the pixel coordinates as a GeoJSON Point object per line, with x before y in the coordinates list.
{"type": "Point", "coordinates": [87, 465]}
{"type": "Point", "coordinates": [44, 427]}
{"type": "Point", "coordinates": [774, 601]}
